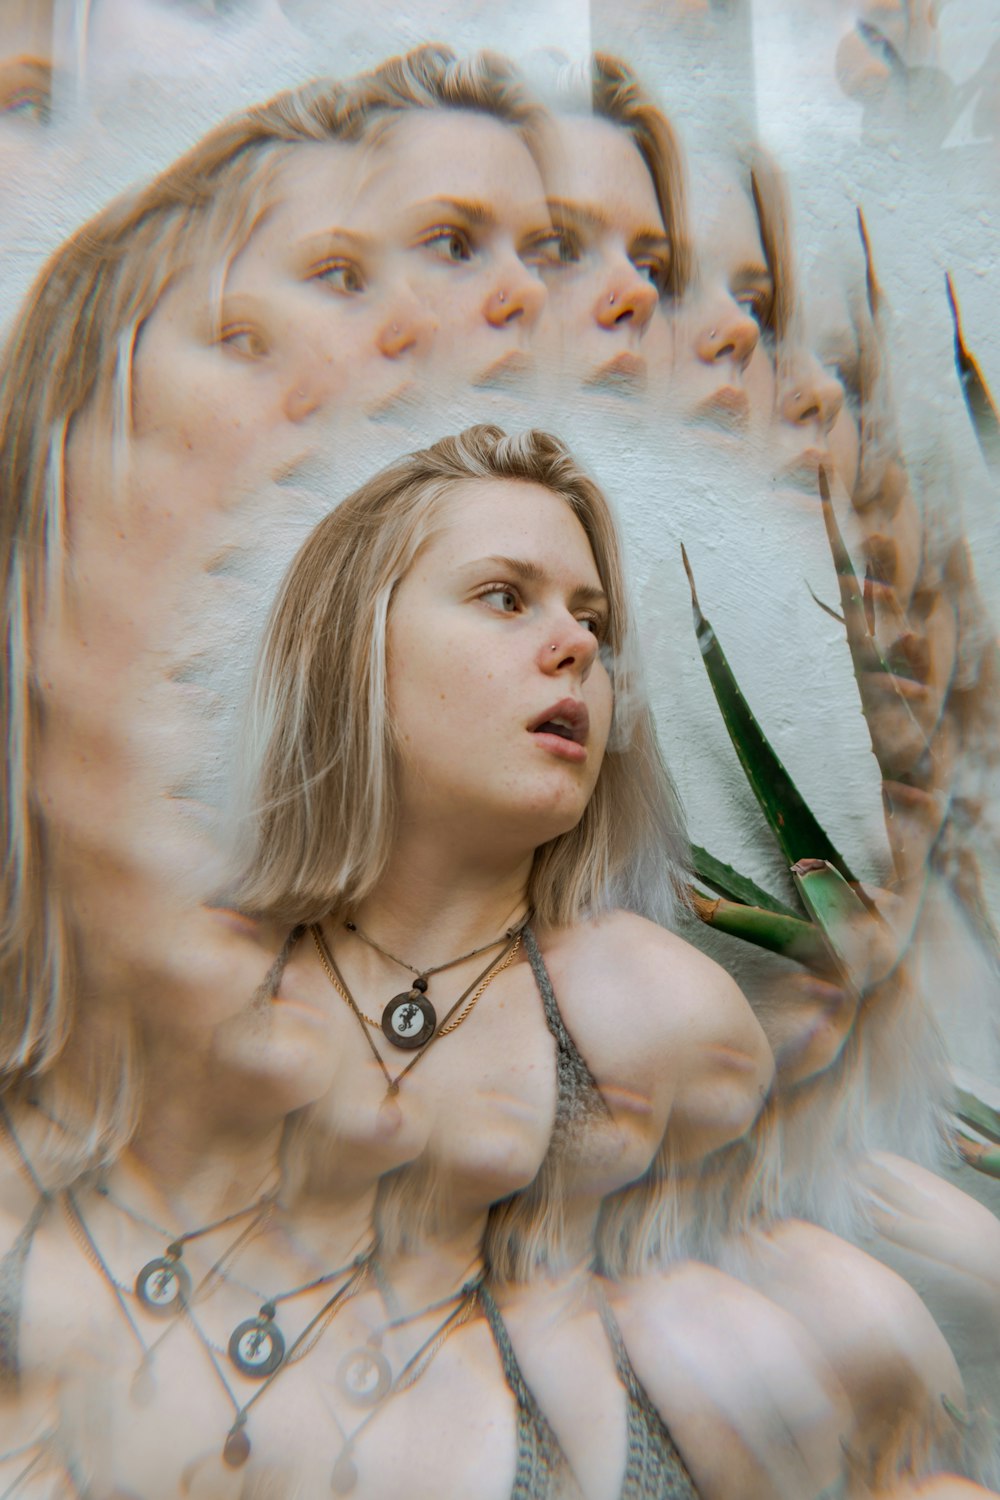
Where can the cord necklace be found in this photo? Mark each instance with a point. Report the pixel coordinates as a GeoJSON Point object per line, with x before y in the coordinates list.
{"type": "Point", "coordinates": [412, 1022]}
{"type": "Point", "coordinates": [409, 1020]}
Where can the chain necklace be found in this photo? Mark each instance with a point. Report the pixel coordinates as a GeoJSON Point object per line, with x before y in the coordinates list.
{"type": "Point", "coordinates": [409, 1019]}
{"type": "Point", "coordinates": [407, 1022]}
{"type": "Point", "coordinates": [344, 1476]}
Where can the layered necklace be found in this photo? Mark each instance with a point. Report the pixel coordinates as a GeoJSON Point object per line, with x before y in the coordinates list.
{"type": "Point", "coordinates": [364, 1376]}
{"type": "Point", "coordinates": [256, 1348]}
{"type": "Point", "coordinates": [409, 1020]}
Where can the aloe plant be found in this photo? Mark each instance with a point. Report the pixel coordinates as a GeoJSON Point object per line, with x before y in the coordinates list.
{"type": "Point", "coordinates": [973, 1111]}
{"type": "Point", "coordinates": [975, 1154]}
{"type": "Point", "coordinates": [793, 824]}
{"type": "Point", "coordinates": [792, 937]}
{"type": "Point", "coordinates": [982, 411]}
{"type": "Point", "coordinates": [721, 877]}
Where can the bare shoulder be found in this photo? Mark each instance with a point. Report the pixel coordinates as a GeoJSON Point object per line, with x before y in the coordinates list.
{"type": "Point", "coordinates": [656, 977]}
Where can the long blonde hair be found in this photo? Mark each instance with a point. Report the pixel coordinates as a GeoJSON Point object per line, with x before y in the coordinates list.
{"type": "Point", "coordinates": [71, 349]}
{"type": "Point", "coordinates": [320, 780]}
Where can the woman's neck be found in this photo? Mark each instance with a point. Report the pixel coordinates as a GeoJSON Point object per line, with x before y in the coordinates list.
{"type": "Point", "coordinates": [435, 901]}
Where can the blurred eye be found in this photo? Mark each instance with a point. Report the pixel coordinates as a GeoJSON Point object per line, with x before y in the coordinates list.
{"type": "Point", "coordinates": [656, 269]}
{"type": "Point", "coordinates": [28, 104]}
{"type": "Point", "coordinates": [244, 339]}
{"type": "Point", "coordinates": [340, 275]}
{"type": "Point", "coordinates": [553, 248]}
{"type": "Point", "coordinates": [594, 623]}
{"type": "Point", "coordinates": [449, 243]}
{"type": "Point", "coordinates": [759, 303]}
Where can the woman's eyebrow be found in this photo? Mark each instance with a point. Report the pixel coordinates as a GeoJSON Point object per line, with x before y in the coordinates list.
{"type": "Point", "coordinates": [523, 570]}
{"type": "Point", "coordinates": [572, 214]}
{"type": "Point", "coordinates": [472, 209]}
{"type": "Point", "coordinates": [323, 241]}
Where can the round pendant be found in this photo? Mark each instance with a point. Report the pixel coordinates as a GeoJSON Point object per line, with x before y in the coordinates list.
{"type": "Point", "coordinates": [409, 1020]}
{"type": "Point", "coordinates": [256, 1347]}
{"type": "Point", "coordinates": [163, 1286]}
{"type": "Point", "coordinates": [364, 1376]}
{"type": "Point", "coordinates": [236, 1449]}
{"type": "Point", "coordinates": [344, 1476]}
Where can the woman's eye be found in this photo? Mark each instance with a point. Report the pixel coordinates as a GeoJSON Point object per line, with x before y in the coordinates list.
{"type": "Point", "coordinates": [595, 624]}
{"type": "Point", "coordinates": [339, 275]}
{"type": "Point", "coordinates": [656, 270]}
{"type": "Point", "coordinates": [548, 250]}
{"type": "Point", "coordinates": [31, 105]}
{"type": "Point", "coordinates": [244, 339]}
{"type": "Point", "coordinates": [449, 243]}
{"type": "Point", "coordinates": [759, 304]}
{"type": "Point", "coordinates": [504, 600]}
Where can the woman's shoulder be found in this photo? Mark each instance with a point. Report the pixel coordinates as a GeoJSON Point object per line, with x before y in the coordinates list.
{"type": "Point", "coordinates": [651, 972]}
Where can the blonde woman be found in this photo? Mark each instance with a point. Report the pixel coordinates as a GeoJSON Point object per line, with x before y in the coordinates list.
{"type": "Point", "coordinates": [449, 761]}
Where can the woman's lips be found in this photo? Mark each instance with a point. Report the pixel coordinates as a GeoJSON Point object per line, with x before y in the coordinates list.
{"type": "Point", "coordinates": [562, 749]}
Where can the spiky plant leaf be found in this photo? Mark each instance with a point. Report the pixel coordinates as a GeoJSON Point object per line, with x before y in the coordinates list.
{"type": "Point", "coordinates": [730, 883]}
{"type": "Point", "coordinates": [854, 931]}
{"type": "Point", "coordinates": [793, 824]}
{"type": "Point", "coordinates": [870, 666]}
{"type": "Point", "coordinates": [790, 936]}
{"type": "Point", "coordinates": [972, 1110]}
{"type": "Point", "coordinates": [975, 1154]}
{"type": "Point", "coordinates": [982, 411]}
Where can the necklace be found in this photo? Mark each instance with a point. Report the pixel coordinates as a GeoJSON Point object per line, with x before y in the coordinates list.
{"type": "Point", "coordinates": [257, 1347]}
{"type": "Point", "coordinates": [344, 1476]}
{"type": "Point", "coordinates": [364, 1375]}
{"type": "Point", "coordinates": [409, 1019]}
{"type": "Point", "coordinates": [475, 990]}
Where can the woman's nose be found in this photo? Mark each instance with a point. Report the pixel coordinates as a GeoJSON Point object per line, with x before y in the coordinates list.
{"type": "Point", "coordinates": [628, 299]}
{"type": "Point", "coordinates": [571, 644]}
{"type": "Point", "coordinates": [517, 295]}
{"type": "Point", "coordinates": [808, 394]}
{"type": "Point", "coordinates": [407, 327]}
{"type": "Point", "coordinates": [726, 331]}
{"type": "Point", "coordinates": [311, 389]}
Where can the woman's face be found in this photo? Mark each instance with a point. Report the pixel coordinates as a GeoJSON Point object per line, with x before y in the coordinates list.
{"type": "Point", "coordinates": [614, 253]}
{"type": "Point", "coordinates": [499, 699]}
{"type": "Point", "coordinates": [458, 196]}
{"type": "Point", "coordinates": [708, 353]}
{"type": "Point", "coordinates": [314, 322]}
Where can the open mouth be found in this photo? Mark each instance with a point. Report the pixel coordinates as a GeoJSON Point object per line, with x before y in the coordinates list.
{"type": "Point", "coordinates": [568, 720]}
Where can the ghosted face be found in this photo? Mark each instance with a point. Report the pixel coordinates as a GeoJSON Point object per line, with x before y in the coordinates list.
{"type": "Point", "coordinates": [880, 40]}
{"type": "Point", "coordinates": [500, 703]}
{"type": "Point", "coordinates": [457, 194]}
{"type": "Point", "coordinates": [312, 323]}
{"type": "Point", "coordinates": [710, 357]}
{"type": "Point", "coordinates": [614, 252]}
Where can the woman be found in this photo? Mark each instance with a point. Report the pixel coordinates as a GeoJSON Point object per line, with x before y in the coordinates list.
{"type": "Point", "coordinates": [615, 183]}
{"type": "Point", "coordinates": [445, 744]}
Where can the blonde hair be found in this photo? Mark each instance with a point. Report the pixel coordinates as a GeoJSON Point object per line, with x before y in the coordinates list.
{"type": "Point", "coordinates": [320, 777]}
{"type": "Point", "coordinates": [71, 349]}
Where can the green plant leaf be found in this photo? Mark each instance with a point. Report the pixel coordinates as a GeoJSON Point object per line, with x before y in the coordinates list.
{"type": "Point", "coordinates": [792, 937]}
{"type": "Point", "coordinates": [730, 883]}
{"type": "Point", "coordinates": [972, 1110]}
{"type": "Point", "coordinates": [982, 411]}
{"type": "Point", "coordinates": [975, 1154]}
{"type": "Point", "coordinates": [854, 930]}
{"type": "Point", "coordinates": [796, 829]}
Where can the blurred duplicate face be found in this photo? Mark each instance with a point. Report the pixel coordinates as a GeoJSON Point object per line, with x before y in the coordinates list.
{"type": "Point", "coordinates": [706, 354]}
{"type": "Point", "coordinates": [456, 194]}
{"type": "Point", "coordinates": [25, 80]}
{"type": "Point", "coordinates": [880, 40]}
{"type": "Point", "coordinates": [614, 254]}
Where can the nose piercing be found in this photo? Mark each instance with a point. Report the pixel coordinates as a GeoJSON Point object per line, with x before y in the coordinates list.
{"type": "Point", "coordinates": [611, 299]}
{"type": "Point", "coordinates": [395, 327]}
{"type": "Point", "coordinates": [553, 648]}
{"type": "Point", "coordinates": [502, 298]}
